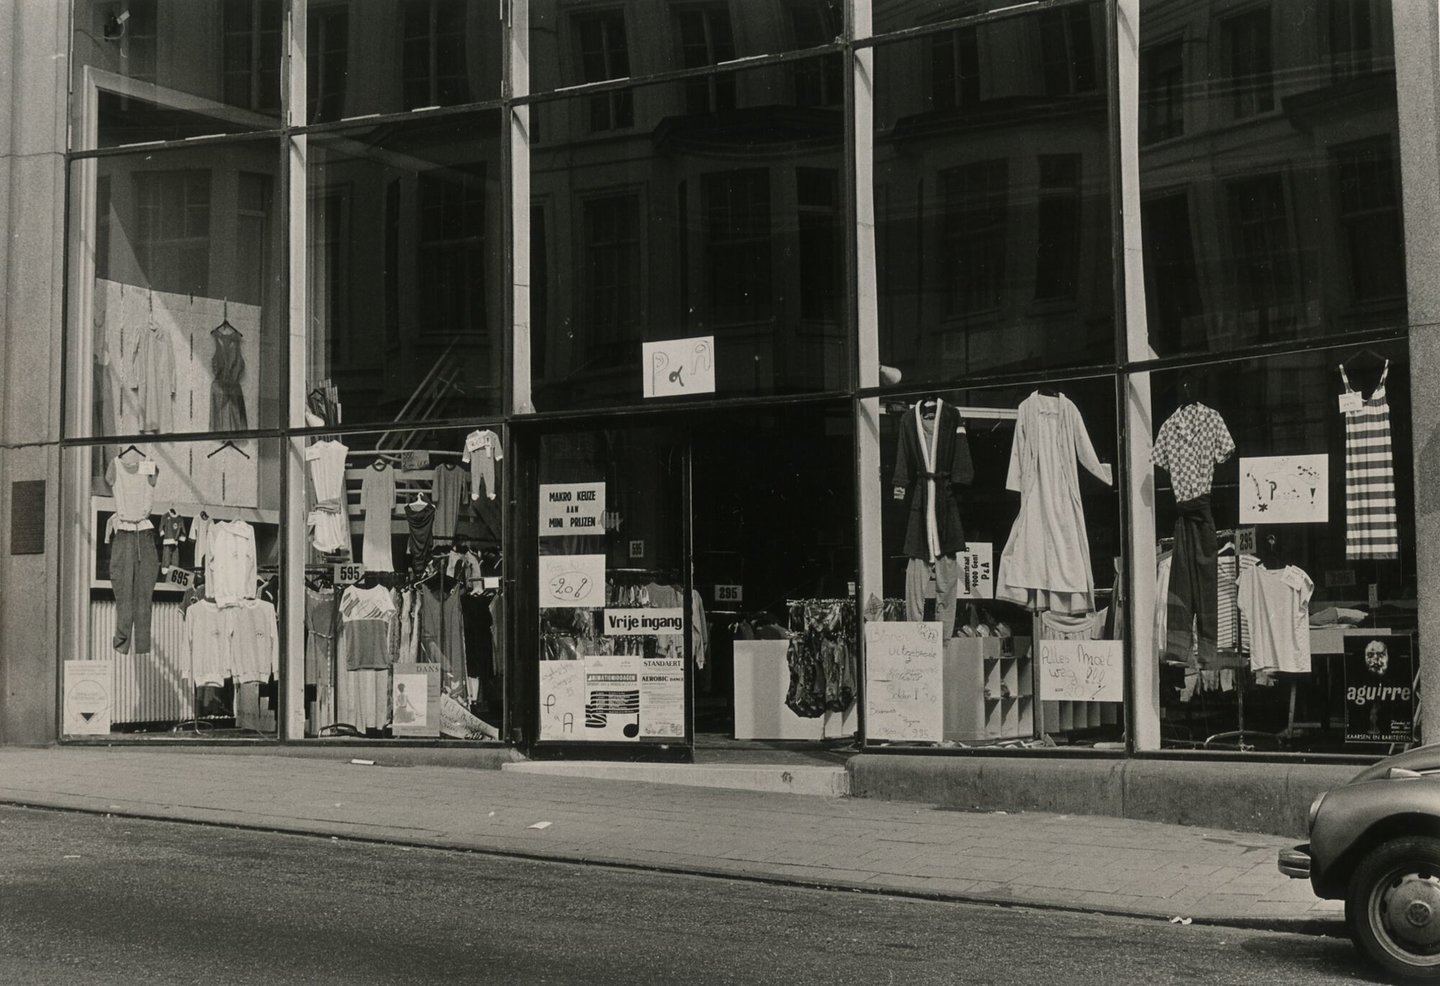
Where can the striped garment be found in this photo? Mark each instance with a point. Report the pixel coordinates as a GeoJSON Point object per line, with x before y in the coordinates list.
{"type": "Point", "coordinates": [1227, 628]}
{"type": "Point", "coordinates": [1372, 526]}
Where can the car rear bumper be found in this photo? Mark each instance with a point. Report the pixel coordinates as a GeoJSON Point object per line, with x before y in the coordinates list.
{"type": "Point", "coordinates": [1295, 863]}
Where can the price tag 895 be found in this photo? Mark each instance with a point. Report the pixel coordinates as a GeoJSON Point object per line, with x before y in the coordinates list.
{"type": "Point", "coordinates": [348, 573]}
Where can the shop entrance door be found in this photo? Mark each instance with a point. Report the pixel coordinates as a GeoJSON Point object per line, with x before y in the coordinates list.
{"type": "Point", "coordinates": [612, 570]}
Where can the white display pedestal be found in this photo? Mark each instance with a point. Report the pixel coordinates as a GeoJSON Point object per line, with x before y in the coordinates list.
{"type": "Point", "coordinates": [762, 679]}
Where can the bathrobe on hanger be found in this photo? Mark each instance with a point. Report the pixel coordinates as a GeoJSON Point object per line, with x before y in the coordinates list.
{"type": "Point", "coordinates": [1046, 561]}
{"type": "Point", "coordinates": [934, 526]}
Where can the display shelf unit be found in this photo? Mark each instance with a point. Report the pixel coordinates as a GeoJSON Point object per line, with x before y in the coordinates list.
{"type": "Point", "coordinates": [989, 689]}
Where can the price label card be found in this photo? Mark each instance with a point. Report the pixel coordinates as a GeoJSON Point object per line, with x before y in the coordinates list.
{"type": "Point", "coordinates": [348, 573]}
{"type": "Point", "coordinates": [729, 594]}
{"type": "Point", "coordinates": [180, 577]}
{"type": "Point", "coordinates": [1350, 402]}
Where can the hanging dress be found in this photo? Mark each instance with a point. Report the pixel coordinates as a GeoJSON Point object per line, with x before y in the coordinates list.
{"type": "Point", "coordinates": [377, 502]}
{"type": "Point", "coordinates": [1046, 561]}
{"type": "Point", "coordinates": [1372, 527]}
{"type": "Point", "coordinates": [227, 366]}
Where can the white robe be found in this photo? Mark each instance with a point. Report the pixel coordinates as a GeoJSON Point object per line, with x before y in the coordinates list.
{"type": "Point", "coordinates": [1046, 561]}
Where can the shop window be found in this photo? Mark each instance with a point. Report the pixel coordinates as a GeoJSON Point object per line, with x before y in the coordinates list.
{"type": "Point", "coordinates": [974, 200]}
{"type": "Point", "coordinates": [1162, 81]}
{"type": "Point", "coordinates": [612, 267]}
{"type": "Point", "coordinates": [1248, 50]}
{"type": "Point", "coordinates": [1067, 51]}
{"type": "Point", "coordinates": [1264, 251]}
{"type": "Point", "coordinates": [327, 53]}
{"type": "Point", "coordinates": [1283, 526]}
{"type": "Point", "coordinates": [452, 253]}
{"type": "Point", "coordinates": [1369, 208]}
{"type": "Point", "coordinates": [250, 61]}
{"type": "Point", "coordinates": [955, 69]}
{"type": "Point", "coordinates": [172, 231]}
{"type": "Point", "coordinates": [1018, 572]}
{"type": "Point", "coordinates": [819, 82]}
{"type": "Point", "coordinates": [706, 38]}
{"type": "Point", "coordinates": [821, 243]}
{"type": "Point", "coordinates": [433, 67]}
{"type": "Point", "coordinates": [605, 54]}
{"type": "Point", "coordinates": [737, 210]}
{"type": "Point", "coordinates": [1057, 259]}
{"type": "Point", "coordinates": [1352, 37]}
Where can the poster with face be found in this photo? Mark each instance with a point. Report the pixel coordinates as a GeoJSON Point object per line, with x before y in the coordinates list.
{"type": "Point", "coordinates": [1379, 688]}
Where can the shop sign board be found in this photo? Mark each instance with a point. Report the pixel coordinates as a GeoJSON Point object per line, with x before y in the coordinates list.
{"type": "Point", "coordinates": [644, 622]}
{"type": "Point", "coordinates": [675, 367]}
{"type": "Point", "coordinates": [415, 699]}
{"type": "Point", "coordinates": [572, 581]}
{"type": "Point", "coordinates": [662, 697]}
{"type": "Point", "coordinates": [572, 508]}
{"type": "Point", "coordinates": [1082, 670]}
{"type": "Point", "coordinates": [903, 682]}
{"type": "Point", "coordinates": [1379, 688]}
{"type": "Point", "coordinates": [87, 698]}
{"type": "Point", "coordinates": [977, 571]}
{"type": "Point", "coordinates": [1285, 489]}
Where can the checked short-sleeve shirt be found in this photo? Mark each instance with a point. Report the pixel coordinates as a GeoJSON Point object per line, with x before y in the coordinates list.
{"type": "Point", "coordinates": [1192, 441]}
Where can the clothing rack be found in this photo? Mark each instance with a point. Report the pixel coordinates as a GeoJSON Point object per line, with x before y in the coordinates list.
{"type": "Point", "coordinates": [966, 411]}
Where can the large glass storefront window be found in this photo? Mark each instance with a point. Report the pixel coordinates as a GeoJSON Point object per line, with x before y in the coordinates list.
{"type": "Point", "coordinates": [405, 268]}
{"type": "Point", "coordinates": [1001, 530]}
{"type": "Point", "coordinates": [992, 197]}
{"type": "Point", "coordinates": [656, 218]}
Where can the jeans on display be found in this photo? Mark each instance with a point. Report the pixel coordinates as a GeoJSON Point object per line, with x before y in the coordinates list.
{"type": "Point", "coordinates": [134, 566]}
{"type": "Point", "coordinates": [1191, 601]}
{"type": "Point", "coordinates": [947, 577]}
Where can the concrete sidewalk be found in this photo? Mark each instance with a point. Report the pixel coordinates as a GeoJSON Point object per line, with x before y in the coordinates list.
{"type": "Point", "coordinates": [1074, 862]}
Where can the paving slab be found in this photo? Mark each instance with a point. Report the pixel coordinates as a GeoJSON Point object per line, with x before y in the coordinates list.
{"type": "Point", "coordinates": [1076, 862]}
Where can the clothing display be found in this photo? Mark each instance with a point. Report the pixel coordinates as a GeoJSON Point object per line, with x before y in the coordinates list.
{"type": "Point", "coordinates": [482, 450]}
{"type": "Point", "coordinates": [328, 522]}
{"type": "Point", "coordinates": [200, 538]}
{"type": "Point", "coordinates": [227, 365]}
{"type": "Point", "coordinates": [1064, 626]}
{"type": "Point", "coordinates": [319, 636]}
{"type": "Point", "coordinates": [821, 656]}
{"type": "Point", "coordinates": [447, 490]}
{"type": "Point", "coordinates": [172, 532]}
{"type": "Point", "coordinates": [946, 571]}
{"type": "Point", "coordinates": [230, 570]}
{"type": "Point", "coordinates": [1372, 527]}
{"type": "Point", "coordinates": [132, 483]}
{"type": "Point", "coordinates": [149, 379]}
{"type": "Point", "coordinates": [421, 520]}
{"type": "Point", "coordinates": [368, 627]}
{"type": "Point", "coordinates": [133, 570]}
{"type": "Point", "coordinates": [239, 641]}
{"type": "Point", "coordinates": [932, 458]}
{"type": "Point", "coordinates": [1189, 445]}
{"type": "Point", "coordinates": [442, 635]}
{"type": "Point", "coordinates": [1276, 602]}
{"type": "Point", "coordinates": [377, 503]}
{"type": "Point", "coordinates": [1193, 595]}
{"type": "Point", "coordinates": [1227, 617]}
{"type": "Point", "coordinates": [1046, 561]}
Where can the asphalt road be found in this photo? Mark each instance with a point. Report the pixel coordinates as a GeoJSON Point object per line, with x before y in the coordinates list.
{"type": "Point", "coordinates": [94, 899]}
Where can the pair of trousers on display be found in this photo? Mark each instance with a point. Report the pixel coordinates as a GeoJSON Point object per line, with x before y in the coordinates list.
{"type": "Point", "coordinates": [1191, 601]}
{"type": "Point", "coordinates": [946, 569]}
{"type": "Point", "coordinates": [134, 566]}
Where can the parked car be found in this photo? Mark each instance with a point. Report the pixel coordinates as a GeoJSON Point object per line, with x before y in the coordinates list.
{"type": "Point", "coordinates": [1375, 844]}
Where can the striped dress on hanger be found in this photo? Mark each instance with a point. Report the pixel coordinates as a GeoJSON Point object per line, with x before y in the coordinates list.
{"type": "Point", "coordinates": [1372, 529]}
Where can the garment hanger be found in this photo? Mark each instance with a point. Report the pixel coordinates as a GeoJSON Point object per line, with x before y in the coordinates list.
{"type": "Point", "coordinates": [231, 445]}
{"type": "Point", "coordinates": [127, 451]}
{"type": "Point", "coordinates": [1047, 391]}
{"type": "Point", "coordinates": [1360, 354]}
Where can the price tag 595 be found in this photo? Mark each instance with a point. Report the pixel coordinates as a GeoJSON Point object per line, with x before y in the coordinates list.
{"type": "Point", "coordinates": [348, 573]}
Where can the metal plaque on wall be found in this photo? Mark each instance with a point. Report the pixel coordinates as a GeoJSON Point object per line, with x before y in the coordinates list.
{"type": "Point", "coordinates": [27, 517]}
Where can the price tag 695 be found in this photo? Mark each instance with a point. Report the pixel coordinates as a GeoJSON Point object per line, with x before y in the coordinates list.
{"type": "Point", "coordinates": [349, 573]}
{"type": "Point", "coordinates": [180, 577]}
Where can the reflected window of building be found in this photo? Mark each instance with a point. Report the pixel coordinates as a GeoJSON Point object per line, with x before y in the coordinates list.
{"type": "Point", "coordinates": [737, 207]}
{"type": "Point", "coordinates": [605, 54]}
{"type": "Point", "coordinates": [1057, 258]}
{"type": "Point", "coordinates": [819, 82]}
{"type": "Point", "coordinates": [1162, 78]}
{"type": "Point", "coordinates": [1352, 37]}
{"type": "Point", "coordinates": [1251, 72]}
{"type": "Point", "coordinates": [1264, 252]}
{"type": "Point", "coordinates": [1369, 211]}
{"type": "Point", "coordinates": [706, 38]}
{"type": "Point", "coordinates": [821, 243]}
{"type": "Point", "coordinates": [1172, 284]}
{"type": "Point", "coordinates": [452, 252]}
{"type": "Point", "coordinates": [955, 69]}
{"type": "Point", "coordinates": [327, 50]}
{"type": "Point", "coordinates": [1067, 50]}
{"type": "Point", "coordinates": [974, 197]}
{"type": "Point", "coordinates": [612, 267]}
{"type": "Point", "coordinates": [251, 53]}
{"type": "Point", "coordinates": [172, 229]}
{"type": "Point", "coordinates": [433, 71]}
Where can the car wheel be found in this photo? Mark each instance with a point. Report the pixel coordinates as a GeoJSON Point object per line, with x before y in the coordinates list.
{"type": "Point", "coordinates": [1393, 907]}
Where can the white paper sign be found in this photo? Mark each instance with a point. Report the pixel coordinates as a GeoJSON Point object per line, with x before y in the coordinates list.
{"type": "Point", "coordinates": [612, 698]}
{"type": "Point", "coordinates": [562, 700]}
{"type": "Point", "coordinates": [662, 697]}
{"type": "Point", "coordinates": [643, 622]}
{"type": "Point", "coordinates": [87, 698]}
{"type": "Point", "coordinates": [572, 508]}
{"type": "Point", "coordinates": [977, 571]}
{"type": "Point", "coordinates": [1285, 489]}
{"type": "Point", "coordinates": [570, 581]}
{"type": "Point", "coordinates": [902, 678]}
{"type": "Point", "coordinates": [1082, 670]}
{"type": "Point", "coordinates": [679, 366]}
